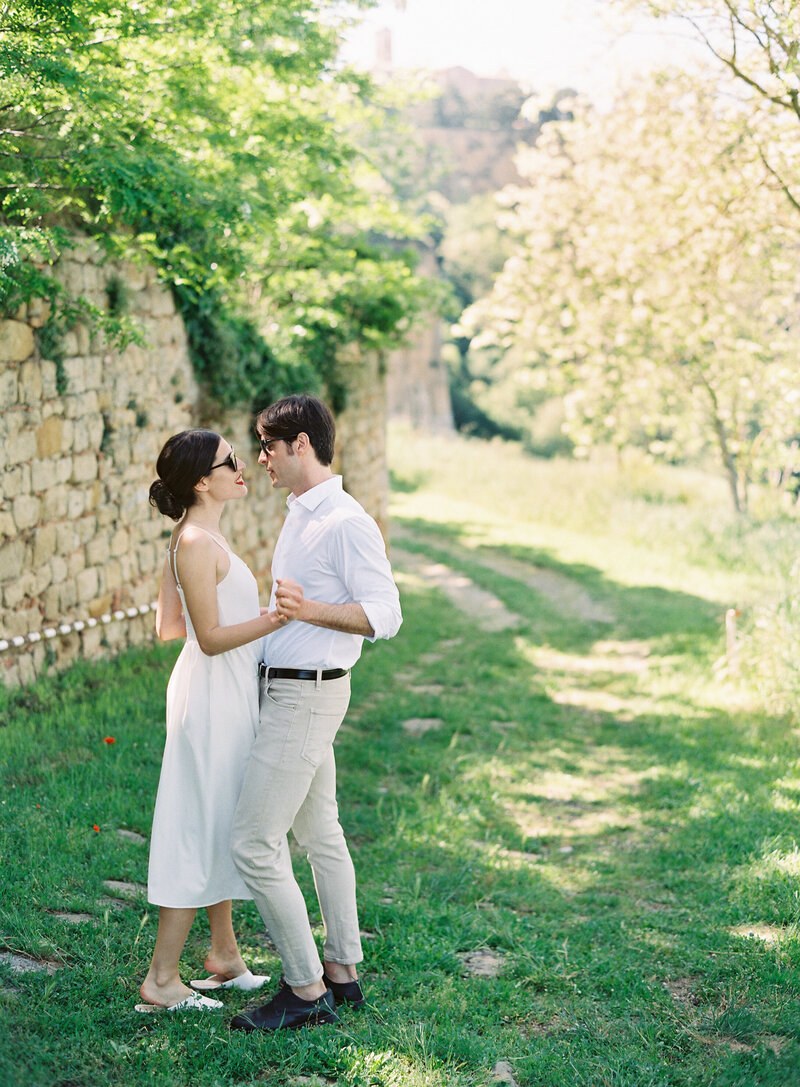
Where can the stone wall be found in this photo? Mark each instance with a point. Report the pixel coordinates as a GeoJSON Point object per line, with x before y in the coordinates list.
{"type": "Point", "coordinates": [417, 382]}
{"type": "Point", "coordinates": [81, 550]}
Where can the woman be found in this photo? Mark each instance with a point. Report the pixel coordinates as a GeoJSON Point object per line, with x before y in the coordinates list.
{"type": "Point", "coordinates": [208, 596]}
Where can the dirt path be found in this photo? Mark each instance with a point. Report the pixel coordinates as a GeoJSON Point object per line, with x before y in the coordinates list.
{"type": "Point", "coordinates": [569, 598]}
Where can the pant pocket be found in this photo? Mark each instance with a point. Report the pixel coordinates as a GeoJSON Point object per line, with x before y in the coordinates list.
{"type": "Point", "coordinates": [320, 734]}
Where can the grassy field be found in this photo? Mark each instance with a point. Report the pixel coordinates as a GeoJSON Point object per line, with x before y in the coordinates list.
{"type": "Point", "coordinates": [575, 829]}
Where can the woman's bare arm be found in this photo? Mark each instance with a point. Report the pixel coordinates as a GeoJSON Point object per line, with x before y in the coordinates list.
{"type": "Point", "coordinates": [199, 562]}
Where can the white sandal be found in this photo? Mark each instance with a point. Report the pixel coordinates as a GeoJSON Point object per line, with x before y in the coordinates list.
{"type": "Point", "coordinates": [193, 1002]}
{"type": "Point", "coordinates": [245, 982]}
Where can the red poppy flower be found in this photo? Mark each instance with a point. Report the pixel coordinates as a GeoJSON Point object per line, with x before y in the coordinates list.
{"type": "Point", "coordinates": [96, 828]}
{"type": "Point", "coordinates": [109, 740]}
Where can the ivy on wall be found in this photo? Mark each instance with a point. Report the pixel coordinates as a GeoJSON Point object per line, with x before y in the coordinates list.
{"type": "Point", "coordinates": [219, 140]}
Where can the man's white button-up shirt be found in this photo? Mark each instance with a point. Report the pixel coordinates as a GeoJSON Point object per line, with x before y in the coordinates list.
{"type": "Point", "coordinates": [332, 548]}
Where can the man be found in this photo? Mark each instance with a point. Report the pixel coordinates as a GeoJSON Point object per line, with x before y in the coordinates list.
{"type": "Point", "coordinates": [332, 548]}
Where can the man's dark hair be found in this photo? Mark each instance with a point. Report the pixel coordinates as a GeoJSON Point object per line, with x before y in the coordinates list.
{"type": "Point", "coordinates": [302, 414]}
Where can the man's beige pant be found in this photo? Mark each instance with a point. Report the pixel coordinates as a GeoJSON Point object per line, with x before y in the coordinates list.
{"type": "Point", "coordinates": [290, 784]}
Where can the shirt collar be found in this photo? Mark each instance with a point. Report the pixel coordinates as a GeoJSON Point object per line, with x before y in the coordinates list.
{"type": "Point", "coordinates": [312, 498]}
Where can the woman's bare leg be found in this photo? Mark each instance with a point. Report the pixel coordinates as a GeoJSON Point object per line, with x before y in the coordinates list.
{"type": "Point", "coordinates": [224, 957]}
{"type": "Point", "coordinates": [163, 983]}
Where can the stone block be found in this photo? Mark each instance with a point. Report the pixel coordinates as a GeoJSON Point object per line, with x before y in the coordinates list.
{"type": "Point", "coordinates": [39, 310]}
{"type": "Point", "coordinates": [68, 596]}
{"type": "Point", "coordinates": [25, 670]}
{"type": "Point", "coordinates": [67, 540]}
{"type": "Point", "coordinates": [13, 482]}
{"type": "Point", "coordinates": [94, 430]}
{"type": "Point", "coordinates": [54, 504]}
{"type": "Point", "coordinates": [101, 606]}
{"type": "Point", "coordinates": [87, 584]}
{"type": "Point", "coordinates": [94, 495]}
{"type": "Point", "coordinates": [21, 448]}
{"type": "Point", "coordinates": [9, 388]}
{"type": "Point", "coordinates": [44, 545]}
{"type": "Point", "coordinates": [135, 275]}
{"type": "Point", "coordinates": [63, 469]}
{"type": "Point", "coordinates": [49, 389]}
{"type": "Point", "coordinates": [13, 595]}
{"type": "Point", "coordinates": [76, 503]}
{"type": "Point", "coordinates": [48, 436]}
{"type": "Point", "coordinates": [30, 383]}
{"type": "Point", "coordinates": [84, 251]}
{"type": "Point", "coordinates": [41, 579]}
{"type": "Point", "coordinates": [14, 622]}
{"type": "Point", "coordinates": [16, 341]}
{"type": "Point", "coordinates": [76, 562]}
{"type": "Point", "coordinates": [85, 530]}
{"type": "Point", "coordinates": [12, 560]}
{"type": "Point", "coordinates": [83, 338]}
{"type": "Point", "coordinates": [97, 550]}
{"type": "Point", "coordinates": [42, 478]}
{"type": "Point", "coordinates": [112, 575]}
{"type": "Point", "coordinates": [75, 368]}
{"type": "Point", "coordinates": [93, 371]}
{"type": "Point", "coordinates": [120, 542]}
{"type": "Point", "coordinates": [51, 598]}
{"type": "Point", "coordinates": [69, 345]}
{"type": "Point", "coordinates": [91, 641]}
{"type": "Point", "coordinates": [26, 510]}
{"type": "Point", "coordinates": [58, 570]}
{"type": "Point", "coordinates": [8, 528]}
{"type": "Point", "coordinates": [76, 407]}
{"type": "Point", "coordinates": [84, 467]}
{"type": "Point", "coordinates": [70, 274]}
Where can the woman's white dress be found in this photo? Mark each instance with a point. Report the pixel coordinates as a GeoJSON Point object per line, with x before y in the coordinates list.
{"type": "Point", "coordinates": [212, 717]}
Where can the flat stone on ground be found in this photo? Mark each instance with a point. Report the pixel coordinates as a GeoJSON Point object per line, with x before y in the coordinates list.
{"type": "Point", "coordinates": [24, 964]}
{"type": "Point", "coordinates": [504, 1073]}
{"type": "Point", "coordinates": [131, 836]}
{"type": "Point", "coordinates": [416, 726]}
{"type": "Point", "coordinates": [74, 918]}
{"type": "Point", "coordinates": [127, 890]}
{"type": "Point", "coordinates": [482, 963]}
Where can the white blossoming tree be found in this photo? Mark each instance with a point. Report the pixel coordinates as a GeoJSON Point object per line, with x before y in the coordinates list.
{"type": "Point", "coordinates": [655, 282]}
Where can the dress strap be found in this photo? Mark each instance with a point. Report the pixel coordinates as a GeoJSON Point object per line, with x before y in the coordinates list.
{"type": "Point", "coordinates": [172, 559]}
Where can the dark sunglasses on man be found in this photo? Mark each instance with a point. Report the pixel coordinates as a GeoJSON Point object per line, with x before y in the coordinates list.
{"type": "Point", "coordinates": [267, 443]}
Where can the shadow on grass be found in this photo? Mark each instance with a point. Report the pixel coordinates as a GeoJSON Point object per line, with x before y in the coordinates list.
{"type": "Point", "coordinates": [524, 822]}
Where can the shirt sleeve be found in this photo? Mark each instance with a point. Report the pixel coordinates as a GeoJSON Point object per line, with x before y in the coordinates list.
{"type": "Point", "coordinates": [367, 574]}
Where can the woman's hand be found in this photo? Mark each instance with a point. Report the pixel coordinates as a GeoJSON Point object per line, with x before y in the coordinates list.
{"type": "Point", "coordinates": [288, 599]}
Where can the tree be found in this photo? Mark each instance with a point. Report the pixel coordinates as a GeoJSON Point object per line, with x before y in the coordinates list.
{"type": "Point", "coordinates": [757, 43]}
{"type": "Point", "coordinates": [218, 139]}
{"type": "Point", "coordinates": [655, 281]}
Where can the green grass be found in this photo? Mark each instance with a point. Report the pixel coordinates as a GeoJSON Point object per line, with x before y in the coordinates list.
{"type": "Point", "coordinates": [598, 808]}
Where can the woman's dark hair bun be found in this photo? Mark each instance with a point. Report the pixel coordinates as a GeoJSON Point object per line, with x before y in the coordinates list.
{"type": "Point", "coordinates": [165, 501]}
{"type": "Point", "coordinates": [185, 459]}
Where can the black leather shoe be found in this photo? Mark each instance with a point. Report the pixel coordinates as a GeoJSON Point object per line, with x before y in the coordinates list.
{"type": "Point", "coordinates": [345, 992]}
{"type": "Point", "coordinates": [288, 1011]}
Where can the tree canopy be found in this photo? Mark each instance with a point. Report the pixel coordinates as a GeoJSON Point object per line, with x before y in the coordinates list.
{"type": "Point", "coordinates": [654, 281]}
{"type": "Point", "coordinates": [221, 140]}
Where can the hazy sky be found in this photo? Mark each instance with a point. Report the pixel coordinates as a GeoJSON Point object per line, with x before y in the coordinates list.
{"type": "Point", "coordinates": [544, 43]}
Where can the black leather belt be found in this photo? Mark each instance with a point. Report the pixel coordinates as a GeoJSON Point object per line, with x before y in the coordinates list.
{"type": "Point", "coordinates": [301, 673]}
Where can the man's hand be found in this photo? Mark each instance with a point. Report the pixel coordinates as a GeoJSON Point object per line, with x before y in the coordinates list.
{"type": "Point", "coordinates": [288, 599]}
